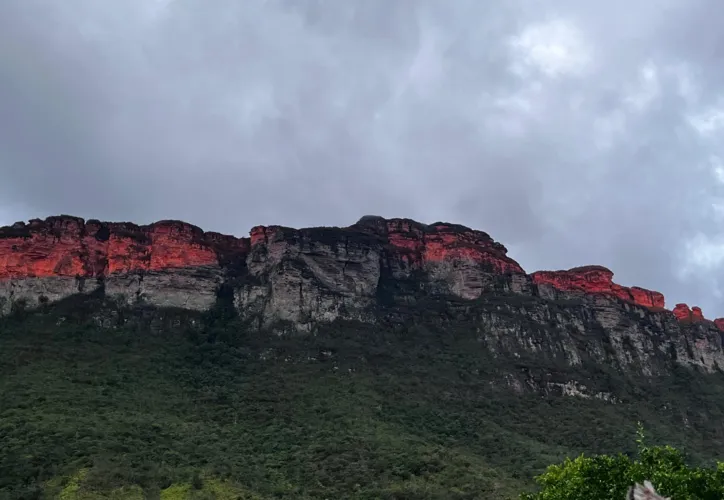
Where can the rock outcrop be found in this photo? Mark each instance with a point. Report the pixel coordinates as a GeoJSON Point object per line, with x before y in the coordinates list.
{"type": "Point", "coordinates": [376, 270]}
{"type": "Point", "coordinates": [597, 280]}
{"type": "Point", "coordinates": [320, 274]}
{"type": "Point", "coordinates": [684, 313]}
{"type": "Point", "coordinates": [169, 263]}
{"type": "Point", "coordinates": [300, 275]}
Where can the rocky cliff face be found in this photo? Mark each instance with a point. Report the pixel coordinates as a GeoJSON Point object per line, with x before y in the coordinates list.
{"type": "Point", "coordinates": [596, 280]}
{"type": "Point", "coordinates": [169, 263]}
{"type": "Point", "coordinates": [375, 270]}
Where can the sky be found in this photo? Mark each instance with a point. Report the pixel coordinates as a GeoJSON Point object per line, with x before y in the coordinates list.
{"type": "Point", "coordinates": [573, 132]}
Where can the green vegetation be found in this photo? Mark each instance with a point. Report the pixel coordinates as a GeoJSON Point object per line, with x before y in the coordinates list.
{"type": "Point", "coordinates": [607, 477]}
{"type": "Point", "coordinates": [166, 405]}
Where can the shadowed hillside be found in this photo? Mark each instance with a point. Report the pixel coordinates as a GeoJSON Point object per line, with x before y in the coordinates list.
{"type": "Point", "coordinates": [101, 400]}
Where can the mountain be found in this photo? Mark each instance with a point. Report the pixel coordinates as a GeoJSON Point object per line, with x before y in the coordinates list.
{"type": "Point", "coordinates": [296, 278]}
{"type": "Point", "coordinates": [388, 327]}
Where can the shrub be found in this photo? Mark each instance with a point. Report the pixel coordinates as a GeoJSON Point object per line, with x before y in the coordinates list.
{"type": "Point", "coordinates": [603, 477]}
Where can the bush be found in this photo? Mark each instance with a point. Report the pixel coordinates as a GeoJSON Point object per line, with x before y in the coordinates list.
{"type": "Point", "coordinates": [603, 477]}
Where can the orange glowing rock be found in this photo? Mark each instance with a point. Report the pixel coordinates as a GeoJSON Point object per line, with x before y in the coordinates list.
{"type": "Point", "coordinates": [684, 313]}
{"type": "Point", "coordinates": [598, 280]}
{"type": "Point", "coordinates": [68, 246]}
{"type": "Point", "coordinates": [444, 242]}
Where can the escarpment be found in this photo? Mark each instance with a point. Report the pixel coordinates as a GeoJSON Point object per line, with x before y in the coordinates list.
{"type": "Point", "coordinates": [597, 280]}
{"type": "Point", "coordinates": [168, 263]}
{"type": "Point", "coordinates": [374, 270]}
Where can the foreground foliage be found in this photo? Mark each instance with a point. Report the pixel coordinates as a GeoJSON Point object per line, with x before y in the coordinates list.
{"type": "Point", "coordinates": [168, 409]}
{"type": "Point", "coordinates": [605, 477]}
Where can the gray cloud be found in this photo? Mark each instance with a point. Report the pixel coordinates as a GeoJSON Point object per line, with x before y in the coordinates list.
{"type": "Point", "coordinates": [573, 132]}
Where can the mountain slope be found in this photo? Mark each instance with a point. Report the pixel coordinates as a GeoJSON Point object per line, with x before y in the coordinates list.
{"type": "Point", "coordinates": [385, 360]}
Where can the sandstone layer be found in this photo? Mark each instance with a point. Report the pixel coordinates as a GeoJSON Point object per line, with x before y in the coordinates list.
{"type": "Point", "coordinates": [169, 263]}
{"type": "Point", "coordinates": [597, 280]}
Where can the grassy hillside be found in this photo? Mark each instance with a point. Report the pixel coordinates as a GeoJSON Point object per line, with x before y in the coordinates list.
{"type": "Point", "coordinates": [169, 410]}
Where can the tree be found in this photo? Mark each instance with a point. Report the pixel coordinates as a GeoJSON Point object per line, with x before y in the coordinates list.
{"type": "Point", "coordinates": [604, 477]}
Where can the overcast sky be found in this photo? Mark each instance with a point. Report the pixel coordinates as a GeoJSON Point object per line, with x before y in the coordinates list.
{"type": "Point", "coordinates": [573, 132]}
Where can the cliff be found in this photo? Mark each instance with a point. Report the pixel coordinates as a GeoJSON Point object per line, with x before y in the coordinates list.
{"type": "Point", "coordinates": [372, 271]}
{"type": "Point", "coordinates": [172, 263]}
{"type": "Point", "coordinates": [161, 263]}
{"type": "Point", "coordinates": [597, 280]}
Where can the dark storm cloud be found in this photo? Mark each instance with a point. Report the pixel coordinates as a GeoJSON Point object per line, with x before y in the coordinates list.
{"type": "Point", "coordinates": [573, 132]}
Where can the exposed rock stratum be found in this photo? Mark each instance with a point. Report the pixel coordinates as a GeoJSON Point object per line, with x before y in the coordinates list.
{"type": "Point", "coordinates": [301, 277]}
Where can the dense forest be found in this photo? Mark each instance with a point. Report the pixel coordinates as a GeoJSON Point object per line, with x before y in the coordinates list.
{"type": "Point", "coordinates": [98, 401]}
